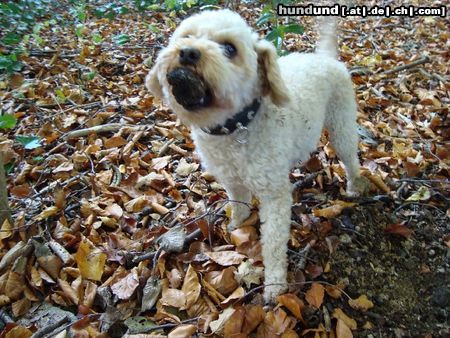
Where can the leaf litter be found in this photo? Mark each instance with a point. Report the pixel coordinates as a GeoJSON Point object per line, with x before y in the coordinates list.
{"type": "Point", "coordinates": [103, 177]}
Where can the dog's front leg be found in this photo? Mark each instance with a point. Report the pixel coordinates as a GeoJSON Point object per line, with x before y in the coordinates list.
{"type": "Point", "coordinates": [240, 199]}
{"type": "Point", "coordinates": [275, 215]}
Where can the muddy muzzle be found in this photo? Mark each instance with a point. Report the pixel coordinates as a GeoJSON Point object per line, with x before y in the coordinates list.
{"type": "Point", "coordinates": [189, 89]}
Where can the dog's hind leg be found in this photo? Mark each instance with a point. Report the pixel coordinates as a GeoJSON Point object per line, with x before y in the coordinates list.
{"type": "Point", "coordinates": [240, 201]}
{"type": "Point", "coordinates": [275, 215]}
{"type": "Point", "coordinates": [342, 127]}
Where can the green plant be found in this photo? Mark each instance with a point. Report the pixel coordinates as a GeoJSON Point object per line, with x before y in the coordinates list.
{"type": "Point", "coordinates": [278, 31]}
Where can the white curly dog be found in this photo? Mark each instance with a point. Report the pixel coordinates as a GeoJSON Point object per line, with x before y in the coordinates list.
{"type": "Point", "coordinates": [253, 116]}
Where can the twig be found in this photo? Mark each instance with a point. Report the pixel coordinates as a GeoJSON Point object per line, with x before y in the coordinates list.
{"type": "Point", "coordinates": [102, 129]}
{"type": "Point", "coordinates": [257, 288]}
{"type": "Point", "coordinates": [52, 185]}
{"type": "Point", "coordinates": [413, 180]}
{"type": "Point", "coordinates": [169, 325]}
{"type": "Point", "coordinates": [422, 60]}
{"type": "Point", "coordinates": [49, 328]}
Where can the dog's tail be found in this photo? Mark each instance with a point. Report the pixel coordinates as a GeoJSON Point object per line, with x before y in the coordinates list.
{"type": "Point", "coordinates": [327, 43]}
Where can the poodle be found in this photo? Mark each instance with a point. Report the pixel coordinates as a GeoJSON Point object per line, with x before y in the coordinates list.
{"type": "Point", "coordinates": [253, 116]}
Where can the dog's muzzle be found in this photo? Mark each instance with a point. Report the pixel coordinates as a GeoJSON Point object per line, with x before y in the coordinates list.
{"type": "Point", "coordinates": [189, 89]}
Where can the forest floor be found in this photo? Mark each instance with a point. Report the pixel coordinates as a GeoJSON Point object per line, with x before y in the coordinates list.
{"type": "Point", "coordinates": [96, 247]}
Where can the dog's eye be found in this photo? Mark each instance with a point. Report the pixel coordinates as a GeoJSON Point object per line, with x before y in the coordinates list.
{"type": "Point", "coordinates": [229, 49]}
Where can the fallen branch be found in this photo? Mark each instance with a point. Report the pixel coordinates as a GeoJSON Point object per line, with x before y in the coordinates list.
{"type": "Point", "coordinates": [104, 128]}
{"type": "Point", "coordinates": [49, 328]}
{"type": "Point", "coordinates": [358, 70]}
{"type": "Point", "coordinates": [422, 60]}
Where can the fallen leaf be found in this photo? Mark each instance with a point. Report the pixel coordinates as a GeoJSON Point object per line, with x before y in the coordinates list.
{"type": "Point", "coordinates": [329, 212]}
{"type": "Point", "coordinates": [50, 211]}
{"type": "Point", "coordinates": [314, 296]}
{"type": "Point", "coordinates": [254, 315]}
{"type": "Point", "coordinates": [223, 280]}
{"type": "Point", "coordinates": [217, 325]}
{"type": "Point", "coordinates": [90, 261]}
{"type": "Point", "coordinates": [191, 287]}
{"type": "Point", "coordinates": [226, 258]}
{"type": "Point", "coordinates": [125, 287]}
{"type": "Point", "coordinates": [150, 293]}
{"type": "Point", "coordinates": [423, 194]}
{"type": "Point", "coordinates": [249, 274]}
{"type": "Point", "coordinates": [184, 168]}
{"type": "Point", "coordinates": [293, 304]}
{"type": "Point", "coordinates": [183, 331]}
{"type": "Point", "coordinates": [243, 234]}
{"type": "Point", "coordinates": [19, 332]}
{"type": "Point", "coordinates": [350, 322]}
{"type": "Point", "coordinates": [233, 326]}
{"type": "Point", "coordinates": [342, 330]}
{"type": "Point", "coordinates": [237, 294]}
{"type": "Point", "coordinates": [398, 229]}
{"type": "Point", "coordinates": [278, 321]}
{"type": "Point", "coordinates": [361, 303]}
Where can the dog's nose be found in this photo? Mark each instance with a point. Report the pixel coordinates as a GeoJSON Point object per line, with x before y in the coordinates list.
{"type": "Point", "coordinates": [189, 56]}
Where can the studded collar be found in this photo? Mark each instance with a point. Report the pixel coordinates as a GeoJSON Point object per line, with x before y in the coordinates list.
{"type": "Point", "coordinates": [239, 121]}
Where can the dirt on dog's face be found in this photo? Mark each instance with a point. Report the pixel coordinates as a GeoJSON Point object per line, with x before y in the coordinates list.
{"type": "Point", "coordinates": [209, 70]}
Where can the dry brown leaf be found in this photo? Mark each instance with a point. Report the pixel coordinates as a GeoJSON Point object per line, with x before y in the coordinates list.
{"type": "Point", "coordinates": [399, 229]}
{"type": "Point", "coordinates": [183, 331]}
{"type": "Point", "coordinates": [314, 296]}
{"type": "Point", "coordinates": [217, 325]}
{"type": "Point", "coordinates": [226, 258]}
{"type": "Point", "coordinates": [342, 330]}
{"type": "Point", "coordinates": [51, 264]}
{"type": "Point", "coordinates": [6, 230]}
{"type": "Point", "coordinates": [191, 287]}
{"type": "Point", "coordinates": [289, 333]}
{"type": "Point", "coordinates": [50, 211]}
{"type": "Point", "coordinates": [334, 291]}
{"type": "Point", "coordinates": [115, 141]}
{"type": "Point", "coordinates": [15, 285]}
{"type": "Point", "coordinates": [223, 280]}
{"type": "Point", "coordinates": [350, 322]}
{"type": "Point", "coordinates": [277, 320]}
{"type": "Point", "coordinates": [329, 212]}
{"type": "Point", "coordinates": [243, 234]}
{"type": "Point", "coordinates": [114, 210]}
{"type": "Point", "coordinates": [292, 303]}
{"type": "Point", "coordinates": [90, 261]}
{"type": "Point", "coordinates": [20, 307]}
{"type": "Point", "coordinates": [378, 181]}
{"type": "Point", "coordinates": [19, 332]}
{"type": "Point", "coordinates": [69, 292]}
{"type": "Point", "coordinates": [249, 274]}
{"type": "Point", "coordinates": [361, 303]}
{"type": "Point", "coordinates": [125, 287]}
{"type": "Point", "coordinates": [237, 294]}
{"type": "Point", "coordinates": [233, 326]}
{"type": "Point", "coordinates": [173, 297]}
{"type": "Point", "coordinates": [254, 315]}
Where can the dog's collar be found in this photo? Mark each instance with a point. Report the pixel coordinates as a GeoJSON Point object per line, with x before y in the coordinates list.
{"type": "Point", "coordinates": [239, 121]}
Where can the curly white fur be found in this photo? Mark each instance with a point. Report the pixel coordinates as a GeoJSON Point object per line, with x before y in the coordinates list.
{"type": "Point", "coordinates": [301, 93]}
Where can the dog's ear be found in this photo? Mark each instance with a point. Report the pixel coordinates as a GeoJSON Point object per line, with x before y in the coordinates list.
{"type": "Point", "coordinates": [152, 82]}
{"type": "Point", "coordinates": [272, 82]}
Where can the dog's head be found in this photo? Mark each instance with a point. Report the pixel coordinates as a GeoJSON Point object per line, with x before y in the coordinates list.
{"type": "Point", "coordinates": [213, 67]}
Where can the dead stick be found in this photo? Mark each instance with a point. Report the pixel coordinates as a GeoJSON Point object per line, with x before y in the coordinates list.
{"type": "Point", "coordinates": [422, 60]}
{"type": "Point", "coordinates": [101, 129]}
{"type": "Point", "coordinates": [49, 328]}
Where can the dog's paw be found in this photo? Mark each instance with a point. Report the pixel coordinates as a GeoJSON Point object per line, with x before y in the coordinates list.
{"type": "Point", "coordinates": [360, 186]}
{"type": "Point", "coordinates": [272, 291]}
